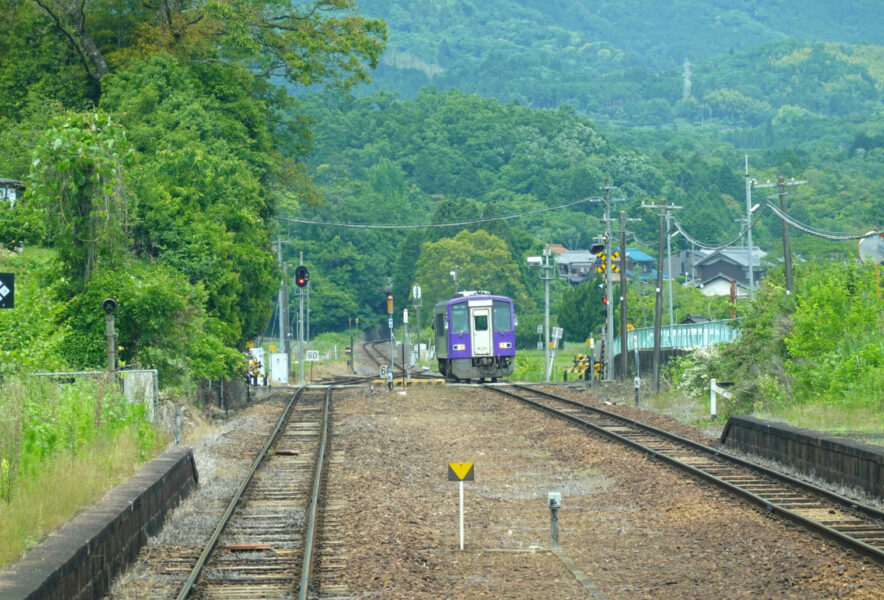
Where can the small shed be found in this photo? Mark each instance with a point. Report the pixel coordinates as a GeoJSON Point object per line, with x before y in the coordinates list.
{"type": "Point", "coordinates": [10, 190]}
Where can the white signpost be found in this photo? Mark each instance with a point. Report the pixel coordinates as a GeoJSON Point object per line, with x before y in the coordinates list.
{"type": "Point", "coordinates": [461, 472]}
{"type": "Point", "coordinates": [312, 356]}
{"type": "Point", "coordinates": [556, 336]}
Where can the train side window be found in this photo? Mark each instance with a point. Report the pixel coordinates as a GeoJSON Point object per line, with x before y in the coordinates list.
{"type": "Point", "coordinates": [460, 322]}
{"type": "Point", "coordinates": [481, 322]}
{"type": "Point", "coordinates": [440, 324]}
{"type": "Point", "coordinates": [502, 320]}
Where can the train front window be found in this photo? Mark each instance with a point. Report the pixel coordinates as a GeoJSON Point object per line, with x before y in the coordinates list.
{"type": "Point", "coordinates": [481, 322]}
{"type": "Point", "coordinates": [502, 320]}
{"type": "Point", "coordinates": [460, 321]}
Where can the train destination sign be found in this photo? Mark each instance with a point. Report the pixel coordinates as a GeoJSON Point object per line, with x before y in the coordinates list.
{"type": "Point", "coordinates": [7, 290]}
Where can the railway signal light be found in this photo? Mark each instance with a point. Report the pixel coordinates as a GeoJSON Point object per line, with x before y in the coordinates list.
{"type": "Point", "coordinates": [390, 305]}
{"type": "Point", "coordinates": [302, 276]}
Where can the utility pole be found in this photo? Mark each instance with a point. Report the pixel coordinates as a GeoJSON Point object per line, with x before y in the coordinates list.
{"type": "Point", "coordinates": [287, 348]}
{"type": "Point", "coordinates": [416, 299]}
{"type": "Point", "coordinates": [686, 75]}
{"type": "Point", "coordinates": [749, 184]}
{"type": "Point", "coordinates": [658, 303]}
{"type": "Point", "coordinates": [787, 248]}
{"type": "Point", "coordinates": [669, 266]}
{"type": "Point", "coordinates": [609, 290]}
{"type": "Point", "coordinates": [624, 363]}
{"type": "Point", "coordinates": [546, 279]}
{"type": "Point", "coordinates": [283, 316]}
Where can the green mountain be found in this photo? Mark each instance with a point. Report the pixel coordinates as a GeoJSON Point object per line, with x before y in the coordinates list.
{"type": "Point", "coordinates": [546, 52]}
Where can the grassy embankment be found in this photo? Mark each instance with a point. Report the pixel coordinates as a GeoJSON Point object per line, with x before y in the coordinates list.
{"type": "Point", "coordinates": [62, 447]}
{"type": "Point", "coordinates": [858, 418]}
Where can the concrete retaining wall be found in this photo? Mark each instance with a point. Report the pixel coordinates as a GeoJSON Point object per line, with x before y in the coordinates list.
{"type": "Point", "coordinates": [840, 461]}
{"type": "Point", "coordinates": [79, 561]}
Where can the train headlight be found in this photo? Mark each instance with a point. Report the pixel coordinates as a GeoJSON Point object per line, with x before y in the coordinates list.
{"type": "Point", "coordinates": [459, 347]}
{"type": "Point", "coordinates": [505, 345]}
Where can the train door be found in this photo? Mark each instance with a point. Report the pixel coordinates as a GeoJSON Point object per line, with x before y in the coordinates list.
{"type": "Point", "coordinates": [481, 330]}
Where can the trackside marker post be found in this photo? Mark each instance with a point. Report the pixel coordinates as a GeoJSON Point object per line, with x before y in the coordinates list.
{"type": "Point", "coordinates": [461, 472]}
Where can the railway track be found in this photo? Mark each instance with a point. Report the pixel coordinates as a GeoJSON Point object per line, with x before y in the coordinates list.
{"type": "Point", "coordinates": [855, 525]}
{"type": "Point", "coordinates": [263, 545]}
{"type": "Point", "coordinates": [378, 352]}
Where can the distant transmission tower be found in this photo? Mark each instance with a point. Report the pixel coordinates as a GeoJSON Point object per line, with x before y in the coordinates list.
{"type": "Point", "coordinates": [686, 74]}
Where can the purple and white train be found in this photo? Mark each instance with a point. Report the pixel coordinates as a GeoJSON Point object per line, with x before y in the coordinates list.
{"type": "Point", "coordinates": [475, 336]}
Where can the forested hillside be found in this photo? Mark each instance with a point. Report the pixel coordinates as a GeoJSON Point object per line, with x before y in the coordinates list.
{"type": "Point", "coordinates": [163, 158]}
{"type": "Point", "coordinates": [155, 150]}
{"type": "Point", "coordinates": [623, 60]}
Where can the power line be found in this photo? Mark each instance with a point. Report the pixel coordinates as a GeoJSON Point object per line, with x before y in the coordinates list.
{"type": "Point", "coordinates": [818, 233]}
{"type": "Point", "coordinates": [703, 245]}
{"type": "Point", "coordinates": [436, 225]}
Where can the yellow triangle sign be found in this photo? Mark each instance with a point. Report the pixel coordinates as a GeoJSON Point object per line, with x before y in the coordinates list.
{"type": "Point", "coordinates": [461, 471]}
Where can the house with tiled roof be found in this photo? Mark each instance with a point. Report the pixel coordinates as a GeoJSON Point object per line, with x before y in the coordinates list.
{"type": "Point", "coordinates": [716, 271]}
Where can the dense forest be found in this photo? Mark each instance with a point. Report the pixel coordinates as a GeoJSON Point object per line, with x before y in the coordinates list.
{"type": "Point", "coordinates": [156, 149]}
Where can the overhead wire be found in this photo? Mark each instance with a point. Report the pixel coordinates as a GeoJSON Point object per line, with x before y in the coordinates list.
{"type": "Point", "coordinates": [703, 245]}
{"type": "Point", "coordinates": [436, 225]}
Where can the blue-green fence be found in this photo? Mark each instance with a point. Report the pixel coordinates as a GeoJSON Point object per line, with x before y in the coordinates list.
{"type": "Point", "coordinates": [684, 335]}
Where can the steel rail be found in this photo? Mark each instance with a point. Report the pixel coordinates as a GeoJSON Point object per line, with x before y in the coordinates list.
{"type": "Point", "coordinates": [851, 504]}
{"type": "Point", "coordinates": [307, 568]}
{"type": "Point", "coordinates": [874, 552]}
{"type": "Point", "coordinates": [237, 497]}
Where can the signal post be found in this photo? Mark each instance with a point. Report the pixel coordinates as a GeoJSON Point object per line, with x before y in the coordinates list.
{"type": "Point", "coordinates": [302, 278]}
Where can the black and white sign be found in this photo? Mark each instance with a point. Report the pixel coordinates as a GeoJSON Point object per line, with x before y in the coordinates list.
{"type": "Point", "coordinates": [7, 290]}
{"type": "Point", "coordinates": [312, 355]}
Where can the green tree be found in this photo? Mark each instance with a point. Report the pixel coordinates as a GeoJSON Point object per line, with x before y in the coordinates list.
{"type": "Point", "coordinates": [76, 180]}
{"type": "Point", "coordinates": [318, 41]}
{"type": "Point", "coordinates": [581, 310]}
{"type": "Point", "coordinates": [481, 261]}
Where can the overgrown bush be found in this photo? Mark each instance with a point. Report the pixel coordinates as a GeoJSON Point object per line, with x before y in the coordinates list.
{"type": "Point", "coordinates": [823, 344]}
{"type": "Point", "coordinates": [41, 420]}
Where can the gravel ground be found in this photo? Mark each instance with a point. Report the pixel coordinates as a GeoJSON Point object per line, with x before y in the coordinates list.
{"type": "Point", "coordinates": [635, 528]}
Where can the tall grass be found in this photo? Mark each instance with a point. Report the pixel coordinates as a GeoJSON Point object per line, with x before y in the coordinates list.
{"type": "Point", "coordinates": [61, 448]}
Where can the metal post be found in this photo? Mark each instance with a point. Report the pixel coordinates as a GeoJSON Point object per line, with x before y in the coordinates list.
{"type": "Point", "coordinates": [658, 303]}
{"type": "Point", "coordinates": [178, 423]}
{"type": "Point", "coordinates": [406, 354]}
{"type": "Point", "coordinates": [392, 350]}
{"type": "Point", "coordinates": [749, 183]}
{"type": "Point", "coordinates": [301, 328]}
{"type": "Point", "coordinates": [554, 526]}
{"type": "Point", "coordinates": [787, 249]}
{"type": "Point", "coordinates": [624, 363]}
{"type": "Point", "coordinates": [669, 268]}
{"type": "Point", "coordinates": [461, 513]}
{"type": "Point", "coordinates": [546, 279]}
{"type": "Point", "coordinates": [111, 335]}
{"type": "Point", "coordinates": [609, 291]}
{"type": "Point", "coordinates": [282, 315]}
{"type": "Point", "coordinates": [284, 327]}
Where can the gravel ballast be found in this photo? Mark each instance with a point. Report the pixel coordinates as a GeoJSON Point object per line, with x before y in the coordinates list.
{"type": "Point", "coordinates": [633, 527]}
